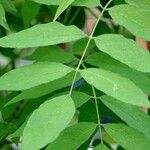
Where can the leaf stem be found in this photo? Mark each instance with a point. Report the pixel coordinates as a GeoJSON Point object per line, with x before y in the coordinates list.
{"type": "Point", "coordinates": [97, 112]}
{"type": "Point", "coordinates": [87, 45]}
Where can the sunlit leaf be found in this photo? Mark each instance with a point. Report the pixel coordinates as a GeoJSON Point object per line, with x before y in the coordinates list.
{"type": "Point", "coordinates": [47, 122]}
{"type": "Point", "coordinates": [124, 50]}
{"type": "Point", "coordinates": [32, 75]}
{"type": "Point", "coordinates": [134, 19]}
{"type": "Point", "coordinates": [116, 86]}
{"type": "Point", "coordinates": [42, 35]}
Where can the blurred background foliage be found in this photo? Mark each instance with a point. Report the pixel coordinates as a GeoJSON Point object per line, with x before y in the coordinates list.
{"type": "Point", "coordinates": [22, 14]}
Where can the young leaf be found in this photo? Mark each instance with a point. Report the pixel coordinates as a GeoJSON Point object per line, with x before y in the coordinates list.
{"type": "Point", "coordinates": [3, 21]}
{"type": "Point", "coordinates": [128, 137]}
{"type": "Point", "coordinates": [116, 86]}
{"type": "Point", "coordinates": [62, 6]}
{"type": "Point", "coordinates": [104, 61]}
{"type": "Point", "coordinates": [49, 53]}
{"type": "Point", "coordinates": [72, 137]}
{"type": "Point", "coordinates": [132, 115]}
{"type": "Point", "coordinates": [33, 75]}
{"type": "Point", "coordinates": [47, 122]}
{"type": "Point", "coordinates": [42, 35]}
{"type": "Point", "coordinates": [29, 11]}
{"type": "Point", "coordinates": [124, 50]}
{"type": "Point", "coordinates": [44, 89]}
{"type": "Point", "coordinates": [145, 4]}
{"type": "Point", "coordinates": [134, 19]}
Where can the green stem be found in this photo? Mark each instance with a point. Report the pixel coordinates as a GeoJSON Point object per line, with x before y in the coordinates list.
{"type": "Point", "coordinates": [98, 117]}
{"type": "Point", "coordinates": [100, 5]}
{"type": "Point", "coordinates": [97, 110]}
{"type": "Point", "coordinates": [87, 45]}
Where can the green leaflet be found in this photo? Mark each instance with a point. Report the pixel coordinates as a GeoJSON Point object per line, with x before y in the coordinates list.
{"type": "Point", "coordinates": [87, 3]}
{"type": "Point", "coordinates": [124, 50]}
{"type": "Point", "coordinates": [128, 137]}
{"type": "Point", "coordinates": [33, 75]}
{"type": "Point", "coordinates": [132, 115]}
{"type": "Point", "coordinates": [62, 6]}
{"type": "Point", "coordinates": [29, 11]}
{"type": "Point", "coordinates": [72, 137]}
{"type": "Point", "coordinates": [47, 122]}
{"type": "Point", "coordinates": [104, 61]}
{"type": "Point", "coordinates": [78, 101]}
{"type": "Point", "coordinates": [145, 4]}
{"type": "Point", "coordinates": [101, 147]}
{"type": "Point", "coordinates": [44, 89]}
{"type": "Point", "coordinates": [49, 53]}
{"type": "Point", "coordinates": [3, 21]}
{"type": "Point", "coordinates": [116, 86]}
{"type": "Point", "coordinates": [42, 35]}
{"type": "Point", "coordinates": [137, 21]}
{"type": "Point", "coordinates": [79, 98]}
